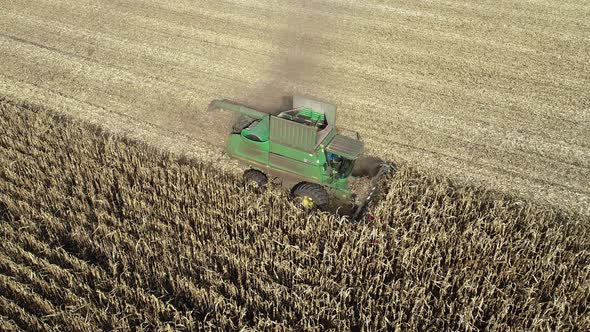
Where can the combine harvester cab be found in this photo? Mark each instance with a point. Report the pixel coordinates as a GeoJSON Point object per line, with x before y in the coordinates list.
{"type": "Point", "coordinates": [301, 150]}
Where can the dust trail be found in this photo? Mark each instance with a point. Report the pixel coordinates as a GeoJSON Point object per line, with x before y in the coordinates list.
{"type": "Point", "coordinates": [299, 38]}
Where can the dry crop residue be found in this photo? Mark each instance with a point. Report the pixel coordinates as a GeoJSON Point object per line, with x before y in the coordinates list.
{"type": "Point", "coordinates": [104, 233]}
{"type": "Point", "coordinates": [490, 92]}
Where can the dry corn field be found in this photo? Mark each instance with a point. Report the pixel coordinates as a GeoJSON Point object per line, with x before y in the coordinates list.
{"type": "Point", "coordinates": [493, 92]}
{"type": "Point", "coordinates": [116, 212]}
{"type": "Point", "coordinates": [100, 232]}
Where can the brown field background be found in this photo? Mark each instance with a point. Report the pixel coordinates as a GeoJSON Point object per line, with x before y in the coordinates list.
{"type": "Point", "coordinates": [492, 92]}
{"type": "Point", "coordinates": [103, 233]}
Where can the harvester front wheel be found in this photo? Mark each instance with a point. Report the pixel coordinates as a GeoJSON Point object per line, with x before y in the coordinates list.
{"type": "Point", "coordinates": [255, 180]}
{"type": "Point", "coordinates": [311, 196]}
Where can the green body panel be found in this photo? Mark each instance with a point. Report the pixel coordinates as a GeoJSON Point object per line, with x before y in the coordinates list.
{"type": "Point", "coordinates": [293, 151]}
{"type": "Point", "coordinates": [295, 161]}
{"type": "Point", "coordinates": [260, 130]}
{"type": "Point", "coordinates": [246, 150]}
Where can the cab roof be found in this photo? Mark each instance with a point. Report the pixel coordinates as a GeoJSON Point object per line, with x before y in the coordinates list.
{"type": "Point", "coordinates": [346, 147]}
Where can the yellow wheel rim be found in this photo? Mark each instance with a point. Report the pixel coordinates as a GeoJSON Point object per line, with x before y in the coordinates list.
{"type": "Point", "coordinates": [307, 202]}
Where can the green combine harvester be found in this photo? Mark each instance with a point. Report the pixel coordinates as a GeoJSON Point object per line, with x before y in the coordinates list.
{"type": "Point", "coordinates": [302, 150]}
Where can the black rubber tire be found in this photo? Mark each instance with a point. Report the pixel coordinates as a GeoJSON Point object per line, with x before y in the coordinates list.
{"type": "Point", "coordinates": [243, 122]}
{"type": "Point", "coordinates": [254, 176]}
{"type": "Point", "coordinates": [318, 194]}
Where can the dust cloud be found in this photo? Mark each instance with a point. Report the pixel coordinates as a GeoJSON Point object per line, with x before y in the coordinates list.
{"type": "Point", "coordinates": [300, 36]}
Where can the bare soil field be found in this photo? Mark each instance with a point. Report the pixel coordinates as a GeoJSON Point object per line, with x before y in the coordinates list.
{"type": "Point", "coordinates": [495, 92]}
{"type": "Point", "coordinates": [99, 232]}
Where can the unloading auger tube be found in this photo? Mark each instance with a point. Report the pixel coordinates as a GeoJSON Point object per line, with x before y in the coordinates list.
{"type": "Point", "coordinates": [229, 106]}
{"type": "Point", "coordinates": [361, 210]}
